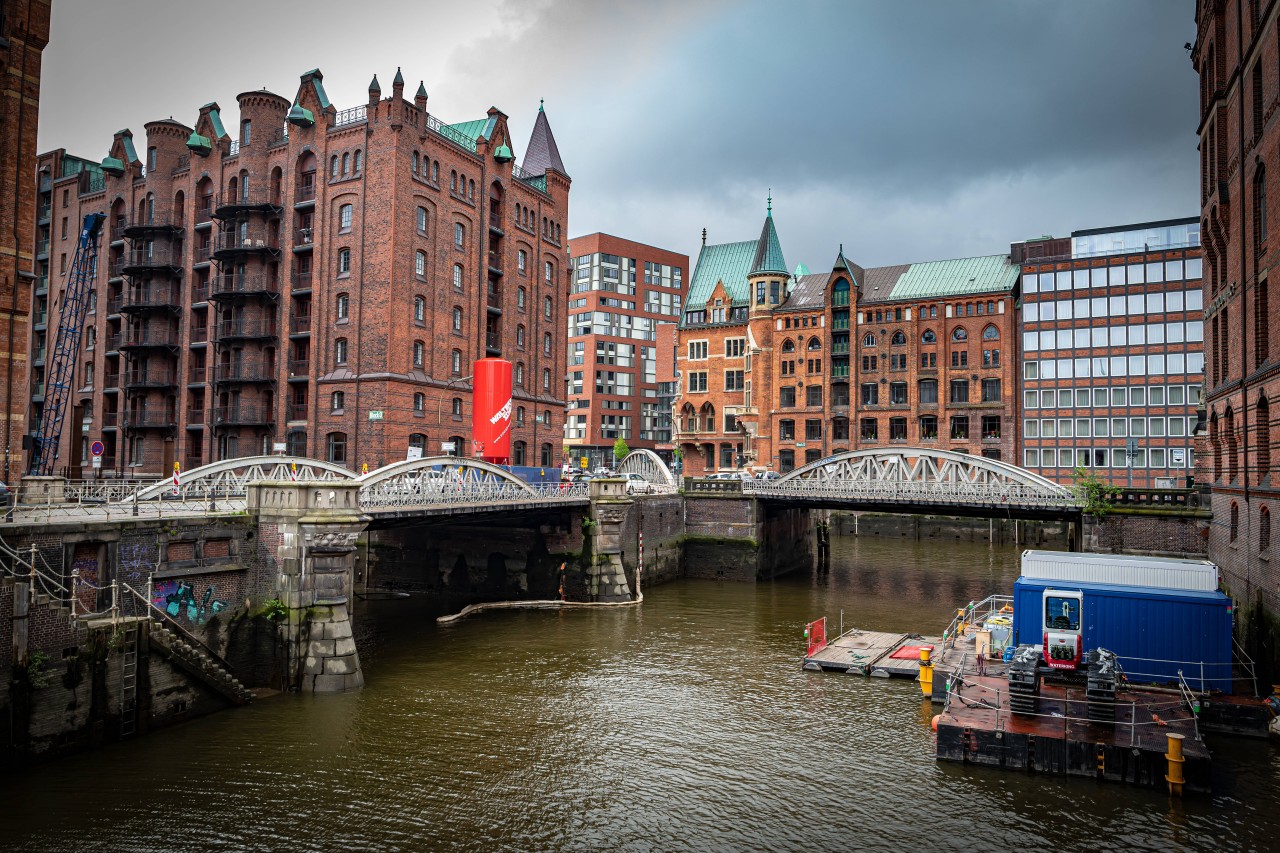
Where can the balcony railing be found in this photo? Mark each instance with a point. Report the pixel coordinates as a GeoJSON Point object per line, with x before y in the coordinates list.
{"type": "Point", "coordinates": [299, 368]}
{"type": "Point", "coordinates": [495, 263]}
{"type": "Point", "coordinates": [42, 212]}
{"type": "Point", "coordinates": [37, 389]}
{"type": "Point", "coordinates": [243, 415]}
{"type": "Point", "coordinates": [302, 237]}
{"type": "Point", "coordinates": [493, 341]}
{"type": "Point", "coordinates": [157, 257]}
{"type": "Point", "coordinates": [298, 411]}
{"type": "Point", "coordinates": [249, 371]}
{"type": "Point", "coordinates": [111, 380]}
{"type": "Point", "coordinates": [300, 325]}
{"type": "Point", "coordinates": [260, 201]}
{"type": "Point", "coordinates": [113, 342]}
{"type": "Point", "coordinates": [204, 211]}
{"type": "Point", "coordinates": [199, 293]}
{"type": "Point", "coordinates": [155, 296]}
{"type": "Point", "coordinates": [195, 416]}
{"type": "Point", "coordinates": [306, 191]}
{"type": "Point", "coordinates": [137, 226]}
{"type": "Point", "coordinates": [202, 253]}
{"type": "Point", "coordinates": [250, 328]}
{"type": "Point", "coordinates": [114, 303]}
{"type": "Point", "coordinates": [152, 337]}
{"type": "Point", "coordinates": [247, 285]}
{"type": "Point", "coordinates": [147, 419]}
{"type": "Point", "coordinates": [152, 378]}
{"type": "Point", "coordinates": [111, 419]}
{"type": "Point", "coordinates": [42, 247]}
{"type": "Point", "coordinates": [197, 375]}
{"type": "Point", "coordinates": [354, 115]}
{"type": "Point", "coordinates": [236, 242]}
{"type": "Point", "coordinates": [199, 334]}
{"type": "Point", "coordinates": [301, 281]}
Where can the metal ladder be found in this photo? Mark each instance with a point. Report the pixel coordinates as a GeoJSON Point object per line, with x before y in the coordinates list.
{"type": "Point", "coordinates": [129, 683]}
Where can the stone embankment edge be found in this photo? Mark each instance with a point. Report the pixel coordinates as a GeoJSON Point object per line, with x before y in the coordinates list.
{"type": "Point", "coordinates": [534, 605]}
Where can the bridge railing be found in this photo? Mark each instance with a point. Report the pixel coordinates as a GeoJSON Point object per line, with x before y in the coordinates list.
{"type": "Point", "coordinates": [907, 492]}
{"type": "Point", "coordinates": [417, 493]}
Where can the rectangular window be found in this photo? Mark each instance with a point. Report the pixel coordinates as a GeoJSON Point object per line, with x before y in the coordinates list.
{"type": "Point", "coordinates": [787, 397]}
{"type": "Point", "coordinates": [812, 429]}
{"type": "Point", "coordinates": [697, 350]}
{"type": "Point", "coordinates": [870, 394]}
{"type": "Point", "coordinates": [698, 382]}
{"type": "Point", "coordinates": [868, 428]}
{"type": "Point", "coordinates": [897, 429]}
{"type": "Point", "coordinates": [898, 393]}
{"type": "Point", "coordinates": [991, 390]}
{"type": "Point", "coordinates": [959, 390]}
{"type": "Point", "coordinates": [959, 426]}
{"type": "Point", "coordinates": [813, 395]}
{"type": "Point", "coordinates": [733, 380]}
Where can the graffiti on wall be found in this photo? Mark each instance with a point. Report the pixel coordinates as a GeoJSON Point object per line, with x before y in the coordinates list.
{"type": "Point", "coordinates": [178, 599]}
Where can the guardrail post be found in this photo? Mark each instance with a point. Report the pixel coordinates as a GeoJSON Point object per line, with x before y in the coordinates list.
{"type": "Point", "coordinates": [115, 603]}
{"type": "Point", "coordinates": [75, 590]}
{"type": "Point", "coordinates": [150, 587]}
{"type": "Point", "coordinates": [135, 503]}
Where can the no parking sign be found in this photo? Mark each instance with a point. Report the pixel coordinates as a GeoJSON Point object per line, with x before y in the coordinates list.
{"type": "Point", "coordinates": [95, 450]}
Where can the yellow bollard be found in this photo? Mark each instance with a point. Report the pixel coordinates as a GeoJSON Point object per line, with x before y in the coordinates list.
{"type": "Point", "coordinates": [1174, 757]}
{"type": "Point", "coordinates": [926, 671]}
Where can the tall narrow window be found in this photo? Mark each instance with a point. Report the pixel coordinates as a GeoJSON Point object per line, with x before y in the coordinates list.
{"type": "Point", "coordinates": [344, 261]}
{"type": "Point", "coordinates": [342, 308]}
{"type": "Point", "coordinates": [419, 309]}
{"type": "Point", "coordinates": [1257, 100]}
{"type": "Point", "coordinates": [422, 220]}
{"type": "Point", "coordinates": [419, 353]}
{"type": "Point", "coordinates": [1261, 324]}
{"type": "Point", "coordinates": [459, 234]}
{"type": "Point", "coordinates": [246, 131]}
{"type": "Point", "coordinates": [420, 263]}
{"type": "Point", "coordinates": [457, 276]}
{"type": "Point", "coordinates": [359, 160]}
{"type": "Point", "coordinates": [340, 351]}
{"type": "Point", "coordinates": [344, 218]}
{"type": "Point", "coordinates": [1263, 440]}
{"type": "Point", "coordinates": [457, 319]}
{"type": "Point", "coordinates": [337, 447]}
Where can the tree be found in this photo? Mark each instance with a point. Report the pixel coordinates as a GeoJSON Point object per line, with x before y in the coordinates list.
{"type": "Point", "coordinates": [1096, 496]}
{"type": "Point", "coordinates": [620, 450]}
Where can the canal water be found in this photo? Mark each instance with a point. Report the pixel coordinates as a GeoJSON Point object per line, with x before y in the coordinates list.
{"type": "Point", "coordinates": [685, 724]}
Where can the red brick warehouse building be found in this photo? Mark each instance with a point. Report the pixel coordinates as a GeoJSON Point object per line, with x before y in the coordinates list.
{"type": "Point", "coordinates": [1237, 56]}
{"type": "Point", "coordinates": [779, 370]}
{"type": "Point", "coordinates": [622, 293]}
{"type": "Point", "coordinates": [24, 33]}
{"type": "Point", "coordinates": [310, 277]}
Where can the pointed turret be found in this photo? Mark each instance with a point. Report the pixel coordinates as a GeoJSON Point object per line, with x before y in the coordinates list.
{"type": "Point", "coordinates": [374, 87]}
{"type": "Point", "coordinates": [399, 78]}
{"type": "Point", "coordinates": [420, 99]}
{"type": "Point", "coordinates": [541, 153]}
{"type": "Point", "coordinates": [768, 250]}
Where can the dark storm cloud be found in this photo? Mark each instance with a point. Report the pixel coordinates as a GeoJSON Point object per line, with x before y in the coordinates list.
{"type": "Point", "coordinates": [906, 130]}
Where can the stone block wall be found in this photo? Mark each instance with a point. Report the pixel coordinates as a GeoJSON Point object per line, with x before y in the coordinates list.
{"type": "Point", "coordinates": [1184, 536]}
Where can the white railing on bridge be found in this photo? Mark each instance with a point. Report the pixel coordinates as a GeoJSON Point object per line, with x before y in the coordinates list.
{"type": "Point", "coordinates": [398, 494]}
{"type": "Point", "coordinates": [959, 494]}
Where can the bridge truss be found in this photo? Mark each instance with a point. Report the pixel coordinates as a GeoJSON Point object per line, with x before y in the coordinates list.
{"type": "Point", "coordinates": [650, 466]}
{"type": "Point", "coordinates": [451, 480]}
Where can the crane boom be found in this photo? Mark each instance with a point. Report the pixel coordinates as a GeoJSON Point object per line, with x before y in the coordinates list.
{"type": "Point", "coordinates": [66, 349]}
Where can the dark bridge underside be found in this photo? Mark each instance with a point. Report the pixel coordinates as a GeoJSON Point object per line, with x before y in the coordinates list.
{"type": "Point", "coordinates": [506, 515]}
{"type": "Point", "coordinates": [905, 507]}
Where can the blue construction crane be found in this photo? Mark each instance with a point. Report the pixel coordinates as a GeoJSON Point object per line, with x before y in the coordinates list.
{"type": "Point", "coordinates": [66, 350]}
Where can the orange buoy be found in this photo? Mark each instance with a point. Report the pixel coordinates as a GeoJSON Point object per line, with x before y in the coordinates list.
{"type": "Point", "coordinates": [934, 724]}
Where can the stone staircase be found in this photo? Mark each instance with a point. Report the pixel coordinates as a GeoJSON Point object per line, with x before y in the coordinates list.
{"type": "Point", "coordinates": [198, 663]}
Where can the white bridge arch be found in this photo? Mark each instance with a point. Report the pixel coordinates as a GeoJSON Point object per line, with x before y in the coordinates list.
{"type": "Point", "coordinates": [918, 475]}
{"type": "Point", "coordinates": [649, 465]}
{"type": "Point", "coordinates": [455, 480]}
{"type": "Point", "coordinates": [228, 478]}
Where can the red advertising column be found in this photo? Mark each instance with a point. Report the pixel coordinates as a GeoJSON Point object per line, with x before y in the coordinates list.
{"type": "Point", "coordinates": [491, 411]}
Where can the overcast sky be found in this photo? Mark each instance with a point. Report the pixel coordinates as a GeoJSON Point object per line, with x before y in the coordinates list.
{"type": "Point", "coordinates": [905, 130]}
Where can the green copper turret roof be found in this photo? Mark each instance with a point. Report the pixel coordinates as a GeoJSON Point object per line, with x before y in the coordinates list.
{"type": "Point", "coordinates": [399, 79]}
{"type": "Point", "coordinates": [422, 89]}
{"type": "Point", "coordinates": [727, 262]}
{"type": "Point", "coordinates": [768, 257]}
{"type": "Point", "coordinates": [373, 84]}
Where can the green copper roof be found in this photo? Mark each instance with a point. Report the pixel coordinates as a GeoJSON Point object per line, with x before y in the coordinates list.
{"type": "Point", "coordinates": [472, 130]}
{"type": "Point", "coordinates": [113, 166]}
{"type": "Point", "coordinates": [768, 257]}
{"type": "Point", "coordinates": [801, 269]}
{"type": "Point", "coordinates": [503, 154]}
{"type": "Point", "coordinates": [399, 79]}
{"type": "Point", "coordinates": [422, 89]}
{"type": "Point", "coordinates": [728, 262]}
{"type": "Point", "coordinates": [216, 118]}
{"type": "Point", "coordinates": [301, 116]}
{"type": "Point", "coordinates": [130, 153]}
{"type": "Point", "coordinates": [959, 277]}
{"type": "Point", "coordinates": [199, 144]}
{"type": "Point", "coordinates": [373, 84]}
{"type": "Point", "coordinates": [317, 83]}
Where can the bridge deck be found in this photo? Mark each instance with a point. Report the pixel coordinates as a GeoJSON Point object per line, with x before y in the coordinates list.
{"type": "Point", "coordinates": [871, 653]}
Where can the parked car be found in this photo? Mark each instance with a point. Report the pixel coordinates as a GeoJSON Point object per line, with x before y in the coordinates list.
{"type": "Point", "coordinates": [6, 496]}
{"type": "Point", "coordinates": [723, 475]}
{"type": "Point", "coordinates": [637, 484]}
{"type": "Point", "coordinates": [768, 475]}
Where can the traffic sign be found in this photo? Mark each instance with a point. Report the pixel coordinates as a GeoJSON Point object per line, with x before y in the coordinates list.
{"type": "Point", "coordinates": [96, 448]}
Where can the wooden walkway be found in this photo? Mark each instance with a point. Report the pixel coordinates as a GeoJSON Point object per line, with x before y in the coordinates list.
{"type": "Point", "coordinates": [872, 653]}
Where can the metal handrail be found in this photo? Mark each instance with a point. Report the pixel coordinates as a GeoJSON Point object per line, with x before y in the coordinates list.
{"type": "Point", "coordinates": [164, 615]}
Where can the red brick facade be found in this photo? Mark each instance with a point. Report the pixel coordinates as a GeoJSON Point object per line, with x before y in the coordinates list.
{"type": "Point", "coordinates": [1236, 56]}
{"type": "Point", "coordinates": [323, 284]}
{"type": "Point", "coordinates": [24, 32]}
{"type": "Point", "coordinates": [622, 294]}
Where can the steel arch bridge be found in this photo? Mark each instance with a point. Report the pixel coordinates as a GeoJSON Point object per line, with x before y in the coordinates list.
{"type": "Point", "coordinates": [918, 477]}
{"type": "Point", "coordinates": [440, 481]}
{"type": "Point", "coordinates": [228, 478]}
{"type": "Point", "coordinates": [649, 465]}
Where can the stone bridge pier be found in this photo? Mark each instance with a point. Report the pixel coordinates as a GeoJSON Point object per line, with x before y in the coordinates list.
{"type": "Point", "coordinates": [314, 527]}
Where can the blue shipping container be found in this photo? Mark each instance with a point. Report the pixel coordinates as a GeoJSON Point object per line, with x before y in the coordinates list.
{"type": "Point", "coordinates": [1154, 632]}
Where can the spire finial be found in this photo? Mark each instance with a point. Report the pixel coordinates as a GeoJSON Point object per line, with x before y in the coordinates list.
{"type": "Point", "coordinates": [769, 208]}
{"type": "Point", "coordinates": [541, 101]}
{"type": "Point", "coordinates": [704, 237]}
{"type": "Point", "coordinates": [842, 250]}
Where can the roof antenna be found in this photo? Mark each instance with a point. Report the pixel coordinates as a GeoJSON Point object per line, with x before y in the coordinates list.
{"type": "Point", "coordinates": [769, 208]}
{"type": "Point", "coordinates": [704, 238]}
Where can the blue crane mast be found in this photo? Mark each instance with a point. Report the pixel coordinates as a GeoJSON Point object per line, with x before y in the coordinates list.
{"type": "Point", "coordinates": [66, 349]}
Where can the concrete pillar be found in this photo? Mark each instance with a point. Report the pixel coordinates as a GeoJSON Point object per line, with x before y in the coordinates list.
{"type": "Point", "coordinates": [610, 506]}
{"type": "Point", "coordinates": [43, 490]}
{"type": "Point", "coordinates": [319, 524]}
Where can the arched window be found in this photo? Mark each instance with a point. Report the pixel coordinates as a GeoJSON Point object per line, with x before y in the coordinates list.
{"type": "Point", "coordinates": [1235, 520]}
{"type": "Point", "coordinates": [453, 181]}
{"type": "Point", "coordinates": [340, 351]}
{"type": "Point", "coordinates": [346, 164]}
{"type": "Point", "coordinates": [546, 380]}
{"type": "Point", "coordinates": [788, 345]}
{"type": "Point", "coordinates": [415, 162]}
{"type": "Point", "coordinates": [419, 309]}
{"type": "Point", "coordinates": [333, 166]}
{"type": "Point", "coordinates": [520, 374]}
{"type": "Point", "coordinates": [869, 339]}
{"type": "Point", "coordinates": [422, 220]}
{"type": "Point", "coordinates": [899, 339]}
{"type": "Point", "coordinates": [336, 400]}
{"type": "Point", "coordinates": [471, 190]}
{"type": "Point", "coordinates": [342, 306]}
{"type": "Point", "coordinates": [457, 276]}
{"type": "Point", "coordinates": [457, 319]}
{"type": "Point", "coordinates": [546, 344]}
{"type": "Point", "coordinates": [1233, 456]}
{"type": "Point", "coordinates": [359, 161]}
{"type": "Point", "coordinates": [459, 234]}
{"type": "Point", "coordinates": [455, 363]}
{"type": "Point", "coordinates": [344, 261]}
{"type": "Point", "coordinates": [814, 344]}
{"type": "Point", "coordinates": [456, 408]}
{"type": "Point", "coordinates": [420, 263]}
{"type": "Point", "coordinates": [419, 402]}
{"type": "Point", "coordinates": [928, 337]}
{"type": "Point", "coordinates": [1259, 206]}
{"type": "Point", "coordinates": [546, 307]}
{"type": "Point", "coordinates": [337, 445]}
{"type": "Point", "coordinates": [520, 337]}
{"type": "Point", "coordinates": [522, 261]}
{"type": "Point", "coordinates": [1215, 444]}
{"type": "Point", "coordinates": [1264, 528]}
{"type": "Point", "coordinates": [548, 272]}
{"type": "Point", "coordinates": [991, 333]}
{"type": "Point", "coordinates": [959, 334]}
{"type": "Point", "coordinates": [435, 171]}
{"type": "Point", "coordinates": [419, 353]}
{"type": "Point", "coordinates": [1263, 431]}
{"type": "Point", "coordinates": [417, 440]}
{"type": "Point", "coordinates": [517, 453]}
{"type": "Point", "coordinates": [520, 298]}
